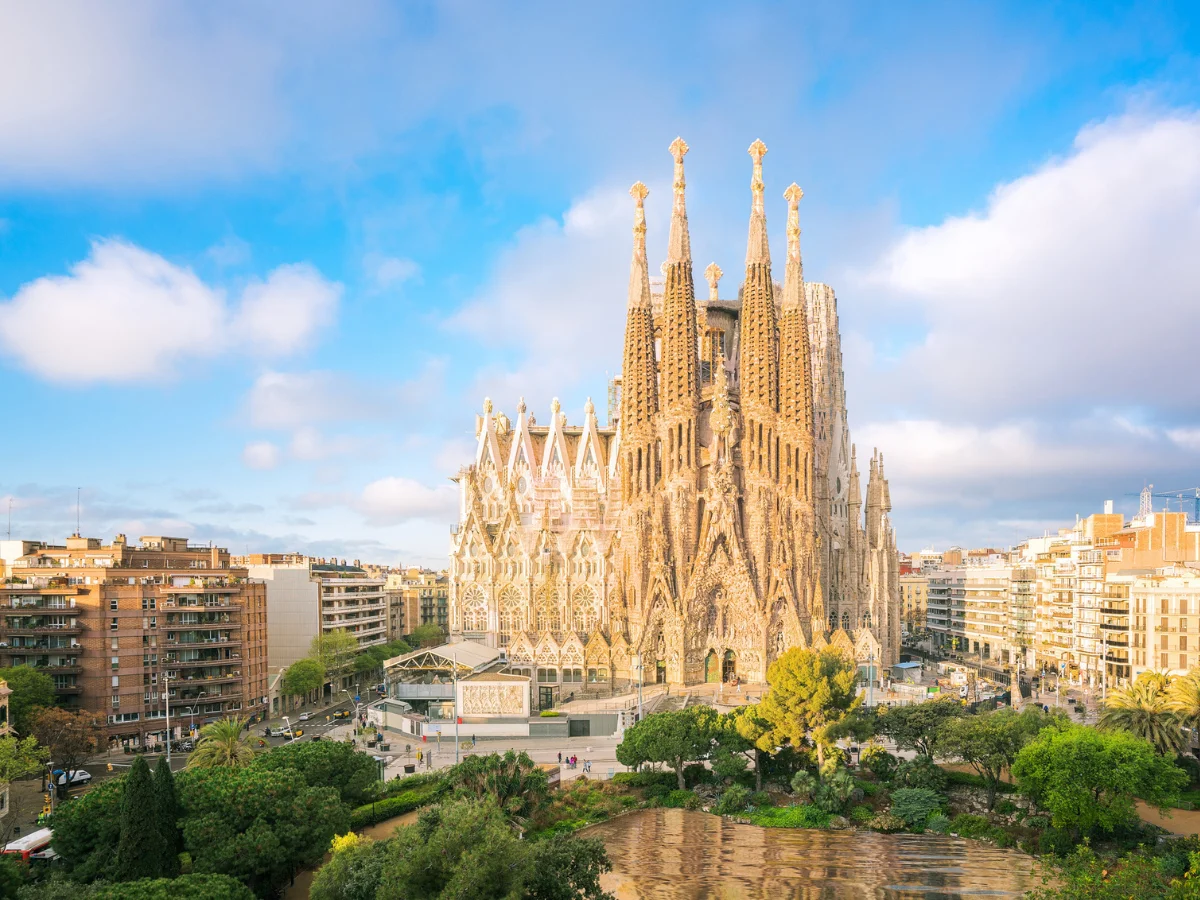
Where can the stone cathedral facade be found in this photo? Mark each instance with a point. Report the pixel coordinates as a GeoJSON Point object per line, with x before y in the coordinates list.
{"type": "Point", "coordinates": [715, 521]}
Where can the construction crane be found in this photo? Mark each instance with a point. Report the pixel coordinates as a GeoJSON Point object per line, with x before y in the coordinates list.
{"type": "Point", "coordinates": [1192, 493]}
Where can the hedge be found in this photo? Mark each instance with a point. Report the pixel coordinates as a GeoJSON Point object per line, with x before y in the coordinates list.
{"type": "Point", "coordinates": [390, 807]}
{"type": "Point", "coordinates": [791, 817]}
{"type": "Point", "coordinates": [645, 779]}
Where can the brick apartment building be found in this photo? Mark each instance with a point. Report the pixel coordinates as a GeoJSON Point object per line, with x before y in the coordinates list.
{"type": "Point", "coordinates": [122, 628]}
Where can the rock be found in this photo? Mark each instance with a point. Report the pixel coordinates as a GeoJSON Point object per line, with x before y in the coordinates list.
{"type": "Point", "coordinates": [839, 823]}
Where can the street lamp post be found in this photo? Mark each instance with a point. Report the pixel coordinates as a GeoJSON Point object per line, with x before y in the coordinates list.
{"type": "Point", "coordinates": [454, 662]}
{"type": "Point", "coordinates": [167, 695]}
{"type": "Point", "coordinates": [637, 664]}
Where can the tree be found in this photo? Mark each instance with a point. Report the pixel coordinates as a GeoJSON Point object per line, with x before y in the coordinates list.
{"type": "Point", "coordinates": [989, 742]}
{"type": "Point", "coordinates": [1087, 779]}
{"type": "Point", "coordinates": [566, 867]}
{"type": "Point", "coordinates": [188, 887]}
{"type": "Point", "coordinates": [335, 650]}
{"type": "Point", "coordinates": [221, 745]}
{"type": "Point", "coordinates": [334, 764]}
{"type": "Point", "coordinates": [916, 727]}
{"type": "Point", "coordinates": [142, 849]}
{"type": "Point", "coordinates": [31, 690]}
{"type": "Point", "coordinates": [1146, 709]}
{"type": "Point", "coordinates": [1085, 876]}
{"type": "Point", "coordinates": [427, 635]}
{"type": "Point", "coordinates": [811, 692]}
{"type": "Point", "coordinates": [258, 826]}
{"type": "Point", "coordinates": [166, 806]}
{"type": "Point", "coordinates": [20, 757]}
{"type": "Point", "coordinates": [71, 737]}
{"type": "Point", "coordinates": [755, 731]}
{"type": "Point", "coordinates": [87, 830]}
{"type": "Point", "coordinates": [512, 781]}
{"type": "Point", "coordinates": [675, 738]}
{"type": "Point", "coordinates": [303, 677]}
{"type": "Point", "coordinates": [353, 871]}
{"type": "Point", "coordinates": [1183, 697]}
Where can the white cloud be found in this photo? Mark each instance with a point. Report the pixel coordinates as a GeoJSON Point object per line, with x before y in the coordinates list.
{"type": "Point", "coordinates": [231, 250]}
{"type": "Point", "coordinates": [125, 313]}
{"type": "Point", "coordinates": [1077, 282]}
{"type": "Point", "coordinates": [558, 293]}
{"type": "Point", "coordinates": [261, 455]}
{"type": "Point", "coordinates": [390, 271]}
{"type": "Point", "coordinates": [310, 445]}
{"type": "Point", "coordinates": [1189, 438]}
{"type": "Point", "coordinates": [392, 500]}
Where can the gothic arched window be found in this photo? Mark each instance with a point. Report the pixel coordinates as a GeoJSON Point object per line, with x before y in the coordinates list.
{"type": "Point", "coordinates": [846, 622]}
{"type": "Point", "coordinates": [548, 616]}
{"type": "Point", "coordinates": [833, 621]}
{"type": "Point", "coordinates": [474, 610]}
{"type": "Point", "coordinates": [867, 619]}
{"type": "Point", "coordinates": [512, 619]}
{"type": "Point", "coordinates": [585, 611]}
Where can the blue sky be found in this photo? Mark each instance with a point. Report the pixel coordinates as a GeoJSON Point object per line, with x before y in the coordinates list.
{"type": "Point", "coordinates": [258, 270]}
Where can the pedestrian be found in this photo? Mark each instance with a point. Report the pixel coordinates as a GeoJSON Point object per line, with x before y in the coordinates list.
{"type": "Point", "coordinates": [560, 757]}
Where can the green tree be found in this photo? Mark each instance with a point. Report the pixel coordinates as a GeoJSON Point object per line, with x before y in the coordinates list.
{"type": "Point", "coordinates": [12, 876]}
{"type": "Point", "coordinates": [1085, 876]}
{"type": "Point", "coordinates": [989, 742]}
{"type": "Point", "coordinates": [427, 635]}
{"type": "Point", "coordinates": [334, 764]}
{"type": "Point", "coordinates": [512, 781]}
{"type": "Point", "coordinates": [811, 692]}
{"type": "Point", "coordinates": [1087, 779]}
{"type": "Point", "coordinates": [141, 850]}
{"type": "Point", "coordinates": [566, 867]}
{"type": "Point", "coordinates": [302, 678]}
{"type": "Point", "coordinates": [755, 732]}
{"type": "Point", "coordinates": [353, 871]}
{"type": "Point", "coordinates": [676, 738]}
{"type": "Point", "coordinates": [1147, 710]}
{"type": "Point", "coordinates": [1183, 697]}
{"type": "Point", "coordinates": [20, 757]}
{"type": "Point", "coordinates": [221, 745]}
{"type": "Point", "coordinates": [188, 887]}
{"type": "Point", "coordinates": [166, 805]}
{"type": "Point", "coordinates": [31, 690]}
{"type": "Point", "coordinates": [71, 737]}
{"type": "Point", "coordinates": [258, 826]}
{"type": "Point", "coordinates": [87, 830]}
{"type": "Point", "coordinates": [916, 727]}
{"type": "Point", "coordinates": [336, 651]}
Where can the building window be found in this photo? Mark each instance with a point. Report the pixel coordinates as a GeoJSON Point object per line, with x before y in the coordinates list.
{"type": "Point", "coordinates": [112, 604]}
{"type": "Point", "coordinates": [573, 675]}
{"type": "Point", "coordinates": [113, 626]}
{"type": "Point", "coordinates": [116, 662]}
{"type": "Point", "coordinates": [596, 676]}
{"type": "Point", "coordinates": [116, 701]}
{"type": "Point", "coordinates": [547, 676]}
{"type": "Point", "coordinates": [1183, 642]}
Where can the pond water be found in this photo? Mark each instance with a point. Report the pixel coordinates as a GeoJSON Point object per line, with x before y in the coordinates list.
{"type": "Point", "coordinates": [676, 854]}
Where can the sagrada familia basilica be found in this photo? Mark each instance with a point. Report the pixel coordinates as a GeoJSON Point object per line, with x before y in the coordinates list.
{"type": "Point", "coordinates": [716, 520]}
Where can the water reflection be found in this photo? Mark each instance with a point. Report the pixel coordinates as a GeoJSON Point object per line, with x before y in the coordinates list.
{"type": "Point", "coordinates": [680, 855]}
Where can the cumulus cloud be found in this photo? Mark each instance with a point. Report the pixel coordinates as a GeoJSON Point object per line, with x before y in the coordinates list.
{"type": "Point", "coordinates": [125, 313]}
{"type": "Point", "coordinates": [392, 500]}
{"type": "Point", "coordinates": [390, 271]}
{"type": "Point", "coordinates": [261, 455]}
{"type": "Point", "coordinates": [557, 293]}
{"type": "Point", "coordinates": [1073, 278]}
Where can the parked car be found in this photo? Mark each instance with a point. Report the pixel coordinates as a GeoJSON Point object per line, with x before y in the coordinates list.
{"type": "Point", "coordinates": [79, 776]}
{"type": "Point", "coordinates": [304, 717]}
{"type": "Point", "coordinates": [343, 714]}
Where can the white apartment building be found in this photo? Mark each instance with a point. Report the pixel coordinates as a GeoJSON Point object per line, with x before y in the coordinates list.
{"type": "Point", "coordinates": [304, 595]}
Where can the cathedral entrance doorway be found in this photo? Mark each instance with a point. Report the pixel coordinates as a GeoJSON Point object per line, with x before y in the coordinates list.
{"type": "Point", "coordinates": [728, 666]}
{"type": "Point", "coordinates": [660, 672]}
{"type": "Point", "coordinates": [711, 672]}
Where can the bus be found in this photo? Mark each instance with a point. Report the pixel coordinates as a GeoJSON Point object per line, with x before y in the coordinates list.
{"type": "Point", "coordinates": [35, 845]}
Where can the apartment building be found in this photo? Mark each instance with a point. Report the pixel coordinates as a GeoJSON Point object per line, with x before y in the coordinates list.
{"type": "Point", "coordinates": [914, 599]}
{"type": "Point", "coordinates": [404, 603]}
{"type": "Point", "coordinates": [307, 596]}
{"type": "Point", "coordinates": [135, 631]}
{"type": "Point", "coordinates": [1165, 611]}
{"type": "Point", "coordinates": [946, 609]}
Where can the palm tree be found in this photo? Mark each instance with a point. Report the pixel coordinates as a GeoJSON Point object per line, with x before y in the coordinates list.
{"type": "Point", "coordinates": [221, 746]}
{"type": "Point", "coordinates": [1184, 699]}
{"type": "Point", "coordinates": [1145, 709]}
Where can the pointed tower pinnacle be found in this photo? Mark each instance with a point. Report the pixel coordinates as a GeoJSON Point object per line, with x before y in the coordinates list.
{"type": "Point", "coordinates": [713, 275]}
{"type": "Point", "coordinates": [795, 364]}
{"type": "Point", "coordinates": [679, 245]}
{"type": "Point", "coordinates": [639, 273]}
{"type": "Point", "coordinates": [794, 274]}
{"type": "Point", "coordinates": [757, 248]}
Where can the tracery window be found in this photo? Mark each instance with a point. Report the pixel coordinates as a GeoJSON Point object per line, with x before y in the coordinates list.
{"type": "Point", "coordinates": [474, 611]}
{"type": "Point", "coordinates": [867, 619]}
{"type": "Point", "coordinates": [846, 622]}
{"type": "Point", "coordinates": [586, 610]}
{"type": "Point", "coordinates": [512, 619]}
{"type": "Point", "coordinates": [833, 621]}
{"type": "Point", "coordinates": [548, 615]}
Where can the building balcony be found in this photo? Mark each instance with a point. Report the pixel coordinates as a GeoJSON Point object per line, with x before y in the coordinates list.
{"type": "Point", "coordinates": [228, 678]}
{"type": "Point", "coordinates": [68, 689]}
{"type": "Point", "coordinates": [200, 645]}
{"type": "Point", "coordinates": [198, 589]}
{"type": "Point", "coordinates": [41, 629]}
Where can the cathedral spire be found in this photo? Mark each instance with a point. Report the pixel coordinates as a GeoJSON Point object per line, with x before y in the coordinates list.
{"type": "Point", "coordinates": [679, 245]}
{"type": "Point", "coordinates": [793, 279]}
{"type": "Point", "coordinates": [795, 368]}
{"type": "Point", "coordinates": [639, 272]}
{"type": "Point", "coordinates": [713, 276]}
{"type": "Point", "coordinates": [758, 250]}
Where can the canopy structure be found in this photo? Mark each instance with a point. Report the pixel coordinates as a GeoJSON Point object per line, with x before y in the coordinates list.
{"type": "Point", "coordinates": [467, 657]}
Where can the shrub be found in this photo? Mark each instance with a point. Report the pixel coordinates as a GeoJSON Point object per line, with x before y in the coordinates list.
{"type": "Point", "coordinates": [403, 783]}
{"type": "Point", "coordinates": [886, 822]}
{"type": "Point", "coordinates": [1037, 822]}
{"type": "Point", "coordinates": [1006, 807]}
{"type": "Point", "coordinates": [656, 792]}
{"type": "Point", "coordinates": [968, 825]}
{"type": "Point", "coordinates": [682, 800]}
{"type": "Point", "coordinates": [804, 785]}
{"type": "Point", "coordinates": [645, 779]}
{"type": "Point", "coordinates": [697, 773]}
{"type": "Point", "coordinates": [807, 816]}
{"type": "Point", "coordinates": [861, 815]}
{"type": "Point", "coordinates": [734, 800]}
{"type": "Point", "coordinates": [915, 805]}
{"type": "Point", "coordinates": [1056, 841]}
{"type": "Point", "coordinates": [550, 714]}
{"type": "Point", "coordinates": [921, 772]}
{"type": "Point", "coordinates": [398, 805]}
{"type": "Point", "coordinates": [879, 762]}
{"type": "Point", "coordinates": [938, 823]}
{"type": "Point", "coordinates": [834, 791]}
{"type": "Point", "coordinates": [760, 798]}
{"type": "Point", "coordinates": [970, 779]}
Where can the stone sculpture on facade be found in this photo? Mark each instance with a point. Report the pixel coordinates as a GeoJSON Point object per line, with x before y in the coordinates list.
{"type": "Point", "coordinates": [716, 520]}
